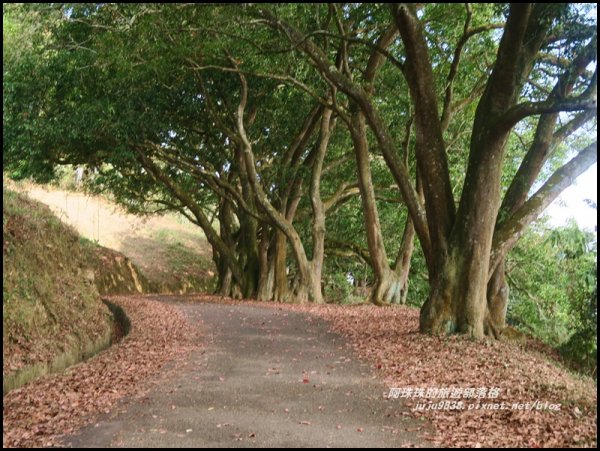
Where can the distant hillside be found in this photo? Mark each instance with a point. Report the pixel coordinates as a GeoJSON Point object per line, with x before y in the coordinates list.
{"type": "Point", "coordinates": [52, 281]}
{"type": "Point", "coordinates": [170, 252]}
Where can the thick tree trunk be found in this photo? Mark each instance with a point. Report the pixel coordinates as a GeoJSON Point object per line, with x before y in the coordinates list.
{"type": "Point", "coordinates": [301, 284]}
{"type": "Point", "coordinates": [307, 284]}
{"type": "Point", "coordinates": [318, 209]}
{"type": "Point", "coordinates": [251, 274]}
{"type": "Point", "coordinates": [249, 260]}
{"type": "Point", "coordinates": [385, 287]}
{"type": "Point", "coordinates": [438, 315]}
{"type": "Point", "coordinates": [224, 283]}
{"type": "Point", "coordinates": [390, 286]}
{"type": "Point", "coordinates": [459, 284]}
{"type": "Point", "coordinates": [316, 288]}
{"type": "Point", "coordinates": [265, 284]}
{"type": "Point", "coordinates": [304, 289]}
{"type": "Point", "coordinates": [457, 299]}
{"type": "Point", "coordinates": [264, 291]}
{"type": "Point", "coordinates": [388, 289]}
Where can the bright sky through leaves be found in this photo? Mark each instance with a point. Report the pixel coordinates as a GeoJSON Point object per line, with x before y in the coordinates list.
{"type": "Point", "coordinates": [571, 203]}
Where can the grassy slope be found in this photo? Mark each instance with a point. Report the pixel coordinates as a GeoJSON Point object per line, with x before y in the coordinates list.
{"type": "Point", "coordinates": [113, 272]}
{"type": "Point", "coordinates": [169, 251]}
{"type": "Point", "coordinates": [50, 303]}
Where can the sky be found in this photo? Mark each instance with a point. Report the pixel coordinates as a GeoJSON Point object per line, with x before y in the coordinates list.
{"type": "Point", "coordinates": [571, 204]}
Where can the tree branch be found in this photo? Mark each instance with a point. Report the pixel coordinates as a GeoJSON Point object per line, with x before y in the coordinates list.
{"type": "Point", "coordinates": [358, 95]}
{"type": "Point", "coordinates": [333, 245]}
{"type": "Point", "coordinates": [201, 218]}
{"type": "Point", "coordinates": [445, 119]}
{"type": "Point", "coordinates": [431, 156]}
{"type": "Point", "coordinates": [278, 219]}
{"type": "Point", "coordinates": [585, 101]}
{"type": "Point", "coordinates": [344, 192]}
{"type": "Point", "coordinates": [509, 231]}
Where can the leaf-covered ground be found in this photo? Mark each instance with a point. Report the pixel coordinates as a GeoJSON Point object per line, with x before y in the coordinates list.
{"type": "Point", "coordinates": [525, 380]}
{"type": "Point", "coordinates": [389, 339]}
{"type": "Point", "coordinates": [545, 405]}
{"type": "Point", "coordinates": [40, 412]}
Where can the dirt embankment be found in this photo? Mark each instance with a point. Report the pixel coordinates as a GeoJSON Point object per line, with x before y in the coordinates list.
{"type": "Point", "coordinates": [116, 274]}
{"type": "Point", "coordinates": [52, 313]}
{"type": "Point", "coordinates": [52, 282]}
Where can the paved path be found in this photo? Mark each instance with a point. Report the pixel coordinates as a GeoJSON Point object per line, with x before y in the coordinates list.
{"type": "Point", "coordinates": [266, 378]}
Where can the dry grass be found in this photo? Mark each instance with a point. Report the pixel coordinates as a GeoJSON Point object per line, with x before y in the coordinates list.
{"type": "Point", "coordinates": [171, 252]}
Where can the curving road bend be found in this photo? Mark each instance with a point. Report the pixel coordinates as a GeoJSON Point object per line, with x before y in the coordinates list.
{"type": "Point", "coordinates": [266, 377]}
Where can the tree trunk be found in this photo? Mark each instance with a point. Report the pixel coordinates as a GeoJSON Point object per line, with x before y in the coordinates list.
{"type": "Point", "coordinates": [497, 298]}
{"type": "Point", "coordinates": [280, 290]}
{"type": "Point", "coordinates": [224, 281]}
{"type": "Point", "coordinates": [307, 284]}
{"type": "Point", "coordinates": [265, 284]}
{"type": "Point", "coordinates": [388, 289]}
{"type": "Point", "coordinates": [402, 264]}
{"type": "Point", "coordinates": [318, 209]}
{"type": "Point", "coordinates": [251, 275]}
{"type": "Point", "coordinates": [385, 286]}
{"type": "Point", "coordinates": [457, 299]}
{"type": "Point", "coordinates": [264, 291]}
{"type": "Point", "coordinates": [316, 288]}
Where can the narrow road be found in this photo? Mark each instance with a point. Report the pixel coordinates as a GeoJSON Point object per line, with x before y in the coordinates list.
{"type": "Point", "coordinates": [266, 378]}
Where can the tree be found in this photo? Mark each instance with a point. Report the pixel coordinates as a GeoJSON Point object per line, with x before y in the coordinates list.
{"type": "Point", "coordinates": [463, 245]}
{"type": "Point", "coordinates": [231, 112]}
{"type": "Point", "coordinates": [201, 140]}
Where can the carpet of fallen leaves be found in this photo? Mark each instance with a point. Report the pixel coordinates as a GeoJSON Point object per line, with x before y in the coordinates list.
{"type": "Point", "coordinates": [388, 339]}
{"type": "Point", "coordinates": [38, 413]}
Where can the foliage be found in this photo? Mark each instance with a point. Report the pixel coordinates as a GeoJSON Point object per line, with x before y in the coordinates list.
{"type": "Point", "coordinates": [152, 96]}
{"type": "Point", "coordinates": [339, 289]}
{"type": "Point", "coordinates": [552, 275]}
